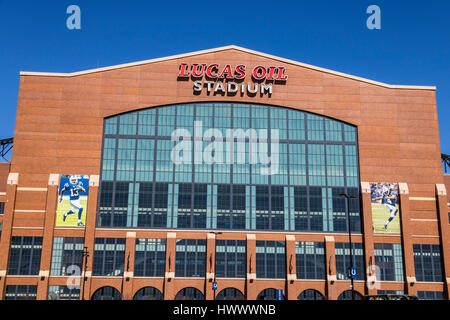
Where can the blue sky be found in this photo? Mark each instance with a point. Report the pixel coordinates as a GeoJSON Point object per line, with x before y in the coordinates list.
{"type": "Point", "coordinates": [412, 47]}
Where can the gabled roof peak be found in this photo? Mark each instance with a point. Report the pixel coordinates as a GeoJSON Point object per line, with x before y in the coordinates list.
{"type": "Point", "coordinates": [229, 47]}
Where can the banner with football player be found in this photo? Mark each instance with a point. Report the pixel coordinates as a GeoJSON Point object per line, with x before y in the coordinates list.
{"type": "Point", "coordinates": [73, 195]}
{"type": "Point", "coordinates": [385, 208]}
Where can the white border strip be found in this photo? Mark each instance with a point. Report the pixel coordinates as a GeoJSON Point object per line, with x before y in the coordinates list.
{"type": "Point", "coordinates": [185, 55]}
{"type": "Point", "coordinates": [422, 198]}
{"type": "Point", "coordinates": [39, 211]}
{"type": "Point", "coordinates": [31, 189]}
{"type": "Point", "coordinates": [424, 236]}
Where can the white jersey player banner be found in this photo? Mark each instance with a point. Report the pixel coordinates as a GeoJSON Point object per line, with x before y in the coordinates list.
{"type": "Point", "coordinates": [385, 208]}
{"type": "Point", "coordinates": [73, 195]}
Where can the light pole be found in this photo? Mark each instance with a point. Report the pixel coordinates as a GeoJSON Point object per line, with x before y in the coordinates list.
{"type": "Point", "coordinates": [85, 256]}
{"type": "Point", "coordinates": [347, 209]}
{"type": "Point", "coordinates": [210, 264]}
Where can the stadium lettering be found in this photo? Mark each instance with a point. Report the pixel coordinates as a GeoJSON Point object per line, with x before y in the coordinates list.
{"type": "Point", "coordinates": [227, 80]}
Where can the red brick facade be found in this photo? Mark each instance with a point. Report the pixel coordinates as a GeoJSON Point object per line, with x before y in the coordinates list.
{"type": "Point", "coordinates": [59, 128]}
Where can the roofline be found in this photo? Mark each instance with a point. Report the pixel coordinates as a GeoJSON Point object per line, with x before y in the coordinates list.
{"type": "Point", "coordinates": [185, 55]}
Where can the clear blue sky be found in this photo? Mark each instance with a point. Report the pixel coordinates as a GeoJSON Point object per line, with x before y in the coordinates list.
{"type": "Point", "coordinates": [412, 47]}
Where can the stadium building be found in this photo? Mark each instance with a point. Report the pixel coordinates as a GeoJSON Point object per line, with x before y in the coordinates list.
{"type": "Point", "coordinates": [163, 178]}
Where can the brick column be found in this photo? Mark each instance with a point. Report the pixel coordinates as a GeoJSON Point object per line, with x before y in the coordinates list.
{"type": "Point", "coordinates": [47, 241]}
{"type": "Point", "coordinates": [210, 266]}
{"type": "Point", "coordinates": [291, 268]}
{"type": "Point", "coordinates": [367, 229]}
{"type": "Point", "coordinates": [444, 229]}
{"type": "Point", "coordinates": [127, 280]}
{"type": "Point", "coordinates": [251, 293]}
{"type": "Point", "coordinates": [330, 268]}
{"type": "Point", "coordinates": [8, 217]}
{"type": "Point", "coordinates": [171, 242]}
{"type": "Point", "coordinates": [408, 255]}
{"type": "Point", "coordinates": [89, 237]}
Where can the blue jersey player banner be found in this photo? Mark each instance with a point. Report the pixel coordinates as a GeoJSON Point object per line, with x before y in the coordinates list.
{"type": "Point", "coordinates": [385, 208]}
{"type": "Point", "coordinates": [72, 201]}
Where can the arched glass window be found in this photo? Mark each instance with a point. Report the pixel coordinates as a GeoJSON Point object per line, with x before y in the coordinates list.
{"type": "Point", "coordinates": [189, 294]}
{"type": "Point", "coordinates": [310, 294]}
{"type": "Point", "coordinates": [347, 295]}
{"type": "Point", "coordinates": [228, 166]}
{"type": "Point", "coordinates": [107, 293]}
{"type": "Point", "coordinates": [148, 293]}
{"type": "Point", "coordinates": [267, 294]}
{"type": "Point", "coordinates": [230, 294]}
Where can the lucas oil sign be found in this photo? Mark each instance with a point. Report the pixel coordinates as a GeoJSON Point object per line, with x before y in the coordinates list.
{"type": "Point", "coordinates": [229, 80]}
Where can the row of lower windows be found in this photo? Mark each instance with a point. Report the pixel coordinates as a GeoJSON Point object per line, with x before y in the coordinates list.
{"type": "Point", "coordinates": [29, 292]}
{"type": "Point", "coordinates": [240, 207]}
{"type": "Point", "coordinates": [191, 259]}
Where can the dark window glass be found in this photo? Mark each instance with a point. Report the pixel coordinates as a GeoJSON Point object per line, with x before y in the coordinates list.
{"type": "Point", "coordinates": [200, 205]}
{"type": "Point", "coordinates": [347, 295]}
{"type": "Point", "coordinates": [67, 256]}
{"type": "Point", "coordinates": [109, 257]}
{"type": "Point", "coordinates": [25, 256]}
{"type": "Point", "coordinates": [224, 207]}
{"type": "Point", "coordinates": [192, 204]}
{"type": "Point", "coordinates": [148, 293]}
{"type": "Point", "coordinates": [107, 293]}
{"type": "Point", "coordinates": [267, 294]}
{"type": "Point", "coordinates": [354, 210]}
{"type": "Point", "coordinates": [316, 209]}
{"type": "Point", "coordinates": [430, 295]}
{"type": "Point", "coordinates": [230, 258]}
{"type": "Point", "coordinates": [121, 204]}
{"type": "Point", "coordinates": [388, 257]}
{"type": "Point", "coordinates": [231, 207]}
{"type": "Point", "coordinates": [230, 294]}
{"type": "Point", "coordinates": [342, 251]}
{"type": "Point", "coordinates": [339, 211]}
{"type": "Point", "coordinates": [428, 263]}
{"type": "Point", "coordinates": [270, 208]}
{"type": "Point", "coordinates": [63, 293]}
{"type": "Point", "coordinates": [189, 294]}
{"type": "Point", "coordinates": [2, 207]}
{"type": "Point", "coordinates": [301, 209]}
{"type": "Point", "coordinates": [160, 206]}
{"type": "Point", "coordinates": [270, 259]}
{"type": "Point", "coordinates": [310, 260]}
{"type": "Point", "coordinates": [396, 292]}
{"type": "Point", "coordinates": [105, 204]}
{"type": "Point", "coordinates": [145, 205]}
{"type": "Point", "coordinates": [150, 258]}
{"type": "Point", "coordinates": [310, 294]}
{"type": "Point", "coordinates": [190, 258]}
{"type": "Point", "coordinates": [20, 292]}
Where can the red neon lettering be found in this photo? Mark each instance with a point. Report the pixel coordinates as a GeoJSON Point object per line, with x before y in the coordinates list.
{"type": "Point", "coordinates": [183, 70]}
{"type": "Point", "coordinates": [210, 69]}
{"type": "Point", "coordinates": [259, 73]}
{"type": "Point", "coordinates": [195, 72]}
